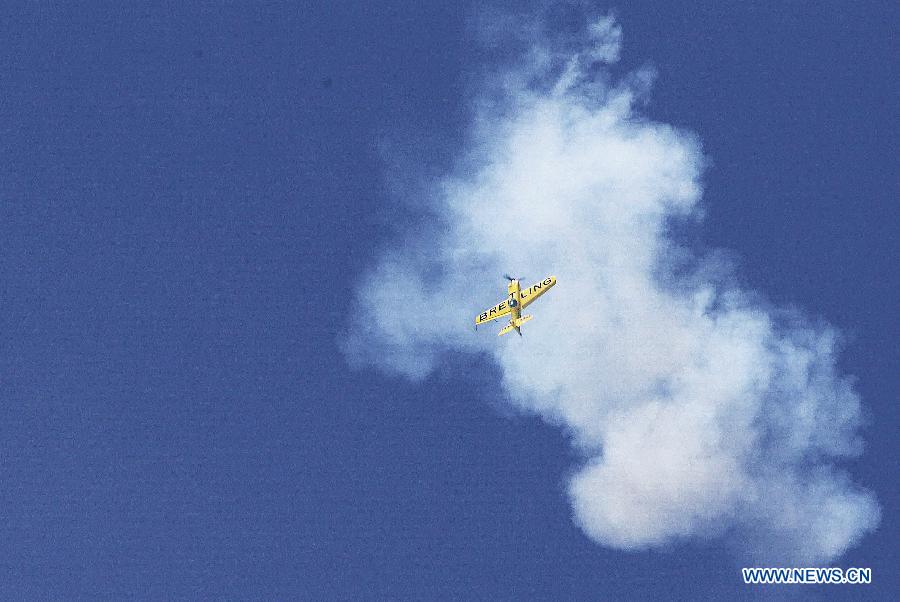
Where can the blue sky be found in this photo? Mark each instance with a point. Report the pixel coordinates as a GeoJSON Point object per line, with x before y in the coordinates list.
{"type": "Point", "coordinates": [191, 199]}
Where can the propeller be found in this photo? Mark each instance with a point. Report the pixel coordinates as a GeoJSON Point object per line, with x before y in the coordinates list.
{"type": "Point", "coordinates": [510, 278]}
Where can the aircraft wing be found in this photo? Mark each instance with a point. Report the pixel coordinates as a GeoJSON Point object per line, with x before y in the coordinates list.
{"type": "Point", "coordinates": [530, 294]}
{"type": "Point", "coordinates": [488, 315]}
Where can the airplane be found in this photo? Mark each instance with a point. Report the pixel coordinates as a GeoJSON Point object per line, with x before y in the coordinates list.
{"type": "Point", "coordinates": [514, 304]}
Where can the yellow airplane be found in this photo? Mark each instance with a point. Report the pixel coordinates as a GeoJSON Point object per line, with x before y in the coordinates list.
{"type": "Point", "coordinates": [514, 304]}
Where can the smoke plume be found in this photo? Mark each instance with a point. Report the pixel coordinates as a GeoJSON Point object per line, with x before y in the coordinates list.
{"type": "Point", "coordinates": [698, 409]}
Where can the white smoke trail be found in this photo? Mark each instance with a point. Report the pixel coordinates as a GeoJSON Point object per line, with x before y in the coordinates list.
{"type": "Point", "coordinates": [698, 408]}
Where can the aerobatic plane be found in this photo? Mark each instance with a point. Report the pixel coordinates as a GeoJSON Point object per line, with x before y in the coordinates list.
{"type": "Point", "coordinates": [513, 305]}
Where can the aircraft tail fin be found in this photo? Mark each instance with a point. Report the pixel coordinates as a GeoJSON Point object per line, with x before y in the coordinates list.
{"type": "Point", "coordinates": [514, 324]}
{"type": "Point", "coordinates": [522, 320]}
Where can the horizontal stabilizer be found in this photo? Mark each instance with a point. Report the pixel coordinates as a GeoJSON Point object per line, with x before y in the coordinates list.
{"type": "Point", "coordinates": [514, 324]}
